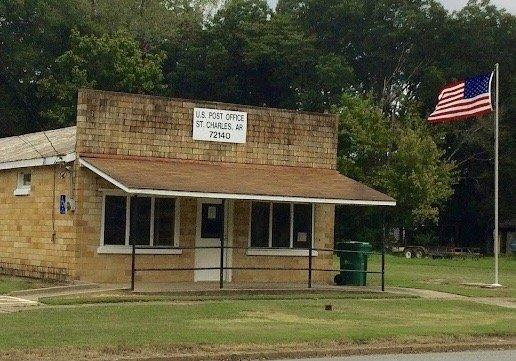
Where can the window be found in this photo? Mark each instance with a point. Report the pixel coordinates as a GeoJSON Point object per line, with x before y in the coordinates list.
{"type": "Point", "coordinates": [164, 221]}
{"type": "Point", "coordinates": [150, 221]}
{"type": "Point", "coordinates": [114, 220]}
{"type": "Point", "coordinates": [302, 225]}
{"type": "Point", "coordinates": [212, 220]}
{"type": "Point", "coordinates": [139, 230]}
{"type": "Point", "coordinates": [25, 179]}
{"type": "Point", "coordinates": [260, 224]}
{"type": "Point", "coordinates": [281, 225]}
{"type": "Point", "coordinates": [23, 184]}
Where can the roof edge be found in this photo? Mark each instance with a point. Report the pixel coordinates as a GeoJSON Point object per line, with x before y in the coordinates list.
{"type": "Point", "coordinates": [159, 192]}
{"type": "Point", "coordinates": [38, 162]}
{"type": "Point", "coordinates": [207, 102]}
{"type": "Point", "coordinates": [39, 132]}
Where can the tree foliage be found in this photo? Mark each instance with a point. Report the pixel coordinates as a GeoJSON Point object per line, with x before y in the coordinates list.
{"type": "Point", "coordinates": [110, 62]}
{"type": "Point", "coordinates": [400, 158]}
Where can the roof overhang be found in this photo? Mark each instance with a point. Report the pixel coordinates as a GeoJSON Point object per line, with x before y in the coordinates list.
{"type": "Point", "coordinates": [233, 181]}
{"type": "Point", "coordinates": [37, 162]}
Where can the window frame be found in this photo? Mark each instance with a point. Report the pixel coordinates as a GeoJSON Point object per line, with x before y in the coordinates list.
{"type": "Point", "coordinates": [21, 188]}
{"type": "Point", "coordinates": [251, 250]}
{"type": "Point", "coordinates": [126, 247]}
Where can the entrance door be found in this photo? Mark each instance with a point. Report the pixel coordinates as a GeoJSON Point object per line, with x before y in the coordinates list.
{"type": "Point", "coordinates": [210, 230]}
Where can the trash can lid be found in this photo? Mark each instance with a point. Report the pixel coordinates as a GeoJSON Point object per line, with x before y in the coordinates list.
{"type": "Point", "coordinates": [355, 246]}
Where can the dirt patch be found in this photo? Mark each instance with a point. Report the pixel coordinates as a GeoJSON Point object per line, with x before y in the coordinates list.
{"type": "Point", "coordinates": [255, 352]}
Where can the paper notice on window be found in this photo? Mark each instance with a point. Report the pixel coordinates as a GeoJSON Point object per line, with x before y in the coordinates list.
{"type": "Point", "coordinates": [302, 237]}
{"type": "Point", "coordinates": [212, 212]}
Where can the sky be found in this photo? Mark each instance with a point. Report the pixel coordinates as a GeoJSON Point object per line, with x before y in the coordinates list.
{"type": "Point", "coordinates": [509, 5]}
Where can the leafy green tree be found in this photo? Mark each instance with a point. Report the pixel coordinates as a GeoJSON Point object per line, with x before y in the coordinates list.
{"type": "Point", "coordinates": [251, 55]}
{"type": "Point", "coordinates": [402, 53]}
{"type": "Point", "coordinates": [32, 34]}
{"type": "Point", "coordinates": [108, 62]}
{"type": "Point", "coordinates": [379, 39]}
{"type": "Point", "coordinates": [152, 23]}
{"type": "Point", "coordinates": [398, 157]}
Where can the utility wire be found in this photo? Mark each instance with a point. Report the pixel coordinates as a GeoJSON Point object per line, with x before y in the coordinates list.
{"type": "Point", "coordinates": [31, 145]}
{"type": "Point", "coordinates": [51, 144]}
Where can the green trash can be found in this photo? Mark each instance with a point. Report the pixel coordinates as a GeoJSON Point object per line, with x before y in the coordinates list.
{"type": "Point", "coordinates": [355, 260]}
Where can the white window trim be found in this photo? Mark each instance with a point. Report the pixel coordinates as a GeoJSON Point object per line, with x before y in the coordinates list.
{"type": "Point", "coordinates": [127, 248]}
{"type": "Point", "coordinates": [22, 189]}
{"type": "Point", "coordinates": [117, 249]}
{"type": "Point", "coordinates": [289, 252]}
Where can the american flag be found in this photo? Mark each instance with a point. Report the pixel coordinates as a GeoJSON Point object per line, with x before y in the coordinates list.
{"type": "Point", "coordinates": [465, 99]}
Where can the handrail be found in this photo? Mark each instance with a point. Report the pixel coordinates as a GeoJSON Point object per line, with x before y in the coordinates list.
{"type": "Point", "coordinates": [222, 267]}
{"type": "Point", "coordinates": [334, 250]}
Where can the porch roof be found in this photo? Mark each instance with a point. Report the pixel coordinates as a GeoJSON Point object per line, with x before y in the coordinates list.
{"type": "Point", "coordinates": [166, 177]}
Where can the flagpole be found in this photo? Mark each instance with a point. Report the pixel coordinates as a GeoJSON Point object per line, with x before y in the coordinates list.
{"type": "Point", "coordinates": [495, 233]}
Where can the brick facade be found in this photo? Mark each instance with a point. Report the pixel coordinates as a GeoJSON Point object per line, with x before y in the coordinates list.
{"type": "Point", "coordinates": [146, 126]}
{"type": "Point", "coordinates": [27, 244]}
{"type": "Point", "coordinates": [113, 268]}
{"type": "Point", "coordinates": [143, 126]}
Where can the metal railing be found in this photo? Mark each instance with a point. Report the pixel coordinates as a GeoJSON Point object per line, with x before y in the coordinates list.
{"type": "Point", "coordinates": [222, 267]}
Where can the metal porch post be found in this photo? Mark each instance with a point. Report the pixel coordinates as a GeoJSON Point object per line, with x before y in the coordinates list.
{"type": "Point", "coordinates": [383, 250]}
{"type": "Point", "coordinates": [223, 236]}
{"type": "Point", "coordinates": [133, 254]}
{"type": "Point", "coordinates": [310, 266]}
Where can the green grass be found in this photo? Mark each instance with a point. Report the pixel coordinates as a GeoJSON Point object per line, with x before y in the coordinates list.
{"type": "Point", "coordinates": [12, 283]}
{"type": "Point", "coordinates": [123, 297]}
{"type": "Point", "coordinates": [249, 322]}
{"type": "Point", "coordinates": [446, 275]}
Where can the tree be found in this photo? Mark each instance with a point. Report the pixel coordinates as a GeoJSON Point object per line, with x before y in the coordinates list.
{"type": "Point", "coordinates": [108, 62]}
{"type": "Point", "coordinates": [398, 157]}
{"type": "Point", "coordinates": [32, 34]}
{"type": "Point", "coordinates": [251, 55]}
{"type": "Point", "coordinates": [379, 38]}
{"type": "Point", "coordinates": [152, 23]}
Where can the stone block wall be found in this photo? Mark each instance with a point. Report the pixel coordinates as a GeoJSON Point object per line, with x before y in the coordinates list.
{"type": "Point", "coordinates": [323, 238]}
{"type": "Point", "coordinates": [28, 245]}
{"type": "Point", "coordinates": [116, 268]}
{"type": "Point", "coordinates": [147, 126]}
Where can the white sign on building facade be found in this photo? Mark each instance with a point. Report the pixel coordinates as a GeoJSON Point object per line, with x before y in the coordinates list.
{"type": "Point", "coordinates": [217, 125]}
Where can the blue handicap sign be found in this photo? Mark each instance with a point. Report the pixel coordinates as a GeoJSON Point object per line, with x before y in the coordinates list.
{"type": "Point", "coordinates": [62, 204]}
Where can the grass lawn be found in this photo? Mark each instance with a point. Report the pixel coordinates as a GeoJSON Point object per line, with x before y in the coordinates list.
{"type": "Point", "coordinates": [240, 322]}
{"type": "Point", "coordinates": [446, 275]}
{"type": "Point", "coordinates": [12, 283]}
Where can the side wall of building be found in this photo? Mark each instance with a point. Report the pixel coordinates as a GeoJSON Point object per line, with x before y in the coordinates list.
{"type": "Point", "coordinates": [35, 239]}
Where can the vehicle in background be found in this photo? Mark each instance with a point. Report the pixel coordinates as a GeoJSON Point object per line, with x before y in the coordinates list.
{"type": "Point", "coordinates": [436, 251]}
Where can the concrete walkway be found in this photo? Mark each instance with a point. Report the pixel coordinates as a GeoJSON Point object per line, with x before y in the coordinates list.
{"type": "Point", "coordinates": [29, 299]}
{"type": "Point", "coordinates": [430, 294]}
{"type": "Point", "coordinates": [10, 304]}
{"type": "Point", "coordinates": [22, 300]}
